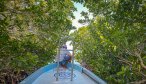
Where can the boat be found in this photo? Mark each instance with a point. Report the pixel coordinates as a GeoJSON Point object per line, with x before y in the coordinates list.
{"type": "Point", "coordinates": [53, 73]}
{"type": "Point", "coordinates": [48, 75]}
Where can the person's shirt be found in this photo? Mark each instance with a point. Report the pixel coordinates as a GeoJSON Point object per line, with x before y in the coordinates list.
{"type": "Point", "coordinates": [63, 53]}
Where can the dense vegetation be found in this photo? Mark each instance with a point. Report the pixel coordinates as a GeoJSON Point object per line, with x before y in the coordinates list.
{"type": "Point", "coordinates": [29, 35]}
{"type": "Point", "coordinates": [113, 45]}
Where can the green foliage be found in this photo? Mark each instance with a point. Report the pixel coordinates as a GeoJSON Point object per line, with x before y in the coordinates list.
{"type": "Point", "coordinates": [30, 31]}
{"type": "Point", "coordinates": [113, 45]}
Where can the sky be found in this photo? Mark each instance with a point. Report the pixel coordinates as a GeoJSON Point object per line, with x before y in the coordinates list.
{"type": "Point", "coordinates": [77, 14]}
{"type": "Point", "coordinates": [75, 23]}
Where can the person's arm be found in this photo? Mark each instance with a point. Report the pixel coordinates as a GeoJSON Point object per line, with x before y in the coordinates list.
{"type": "Point", "coordinates": [69, 54]}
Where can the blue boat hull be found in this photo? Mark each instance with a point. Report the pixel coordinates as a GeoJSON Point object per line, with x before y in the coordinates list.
{"type": "Point", "coordinates": [47, 75]}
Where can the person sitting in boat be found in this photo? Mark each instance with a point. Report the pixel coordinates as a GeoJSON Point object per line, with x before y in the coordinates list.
{"type": "Point", "coordinates": [65, 56]}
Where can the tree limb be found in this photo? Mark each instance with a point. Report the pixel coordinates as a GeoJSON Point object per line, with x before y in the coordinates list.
{"type": "Point", "coordinates": [139, 82]}
{"type": "Point", "coordinates": [141, 61]}
{"type": "Point", "coordinates": [138, 54]}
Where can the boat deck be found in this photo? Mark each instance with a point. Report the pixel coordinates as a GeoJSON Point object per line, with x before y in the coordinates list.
{"type": "Point", "coordinates": [48, 73]}
{"type": "Point", "coordinates": [49, 77]}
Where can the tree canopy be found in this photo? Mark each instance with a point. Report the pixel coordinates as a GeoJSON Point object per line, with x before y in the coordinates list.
{"type": "Point", "coordinates": [113, 45]}
{"type": "Point", "coordinates": [29, 34]}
